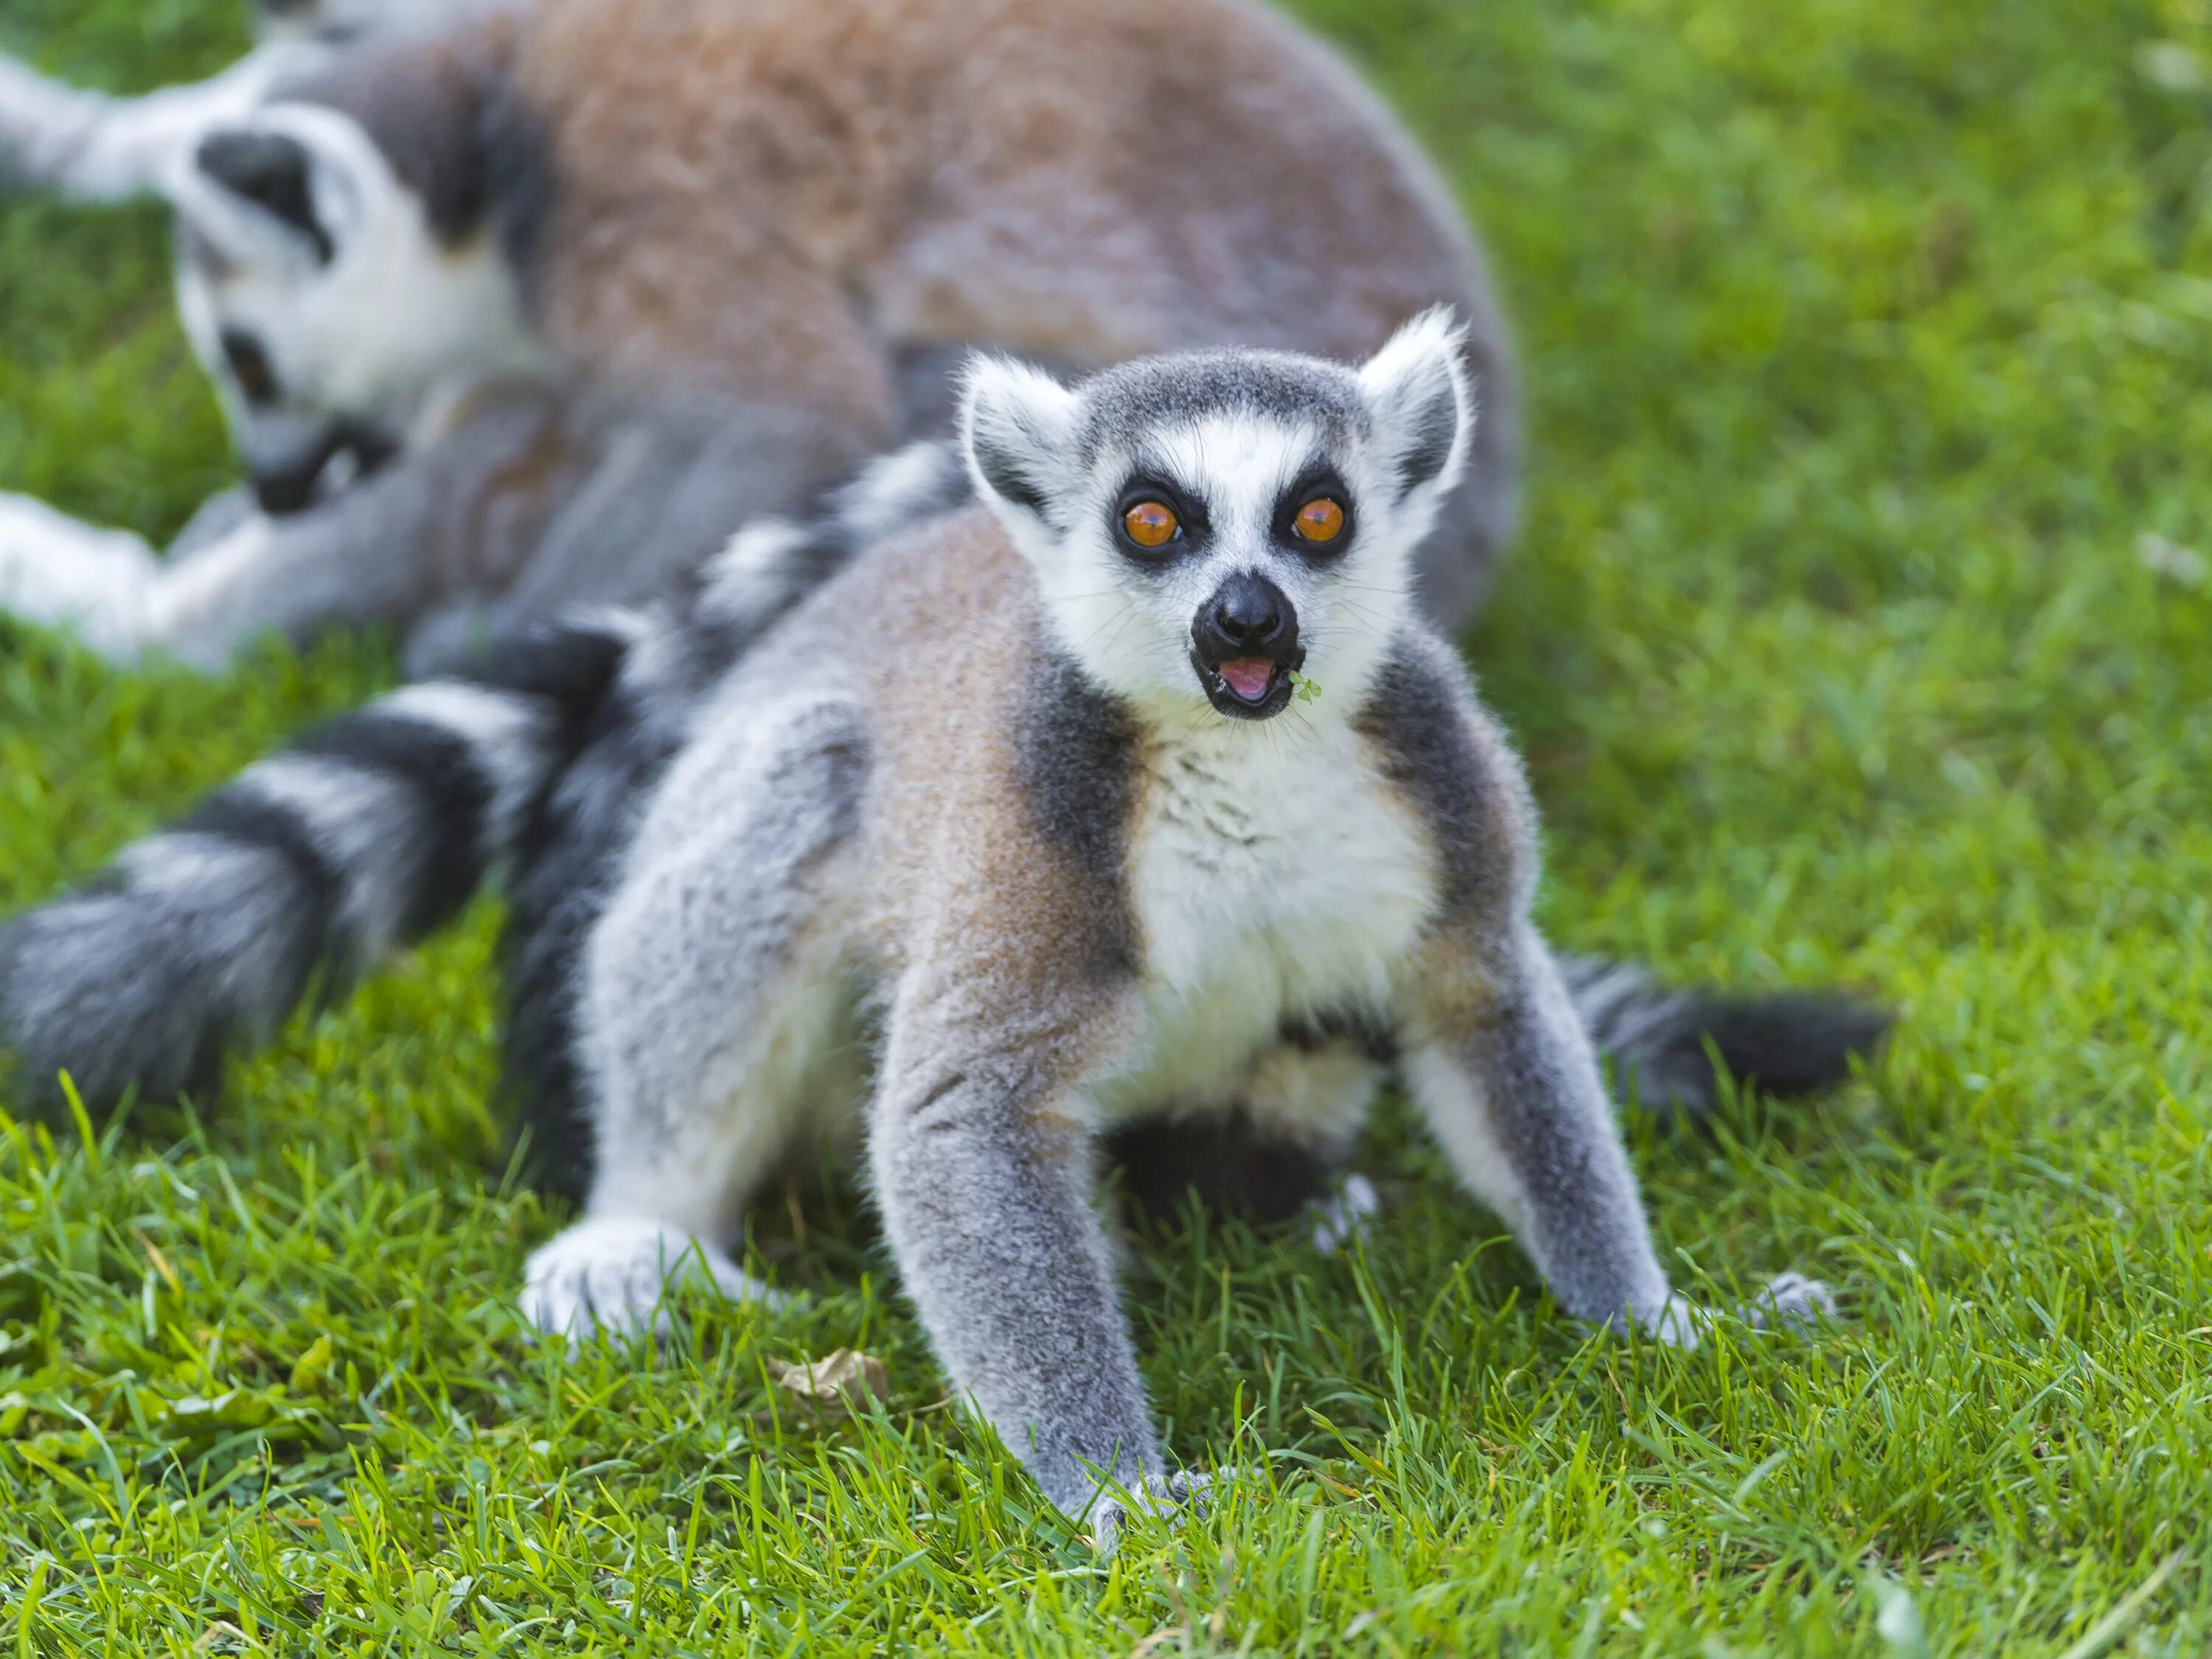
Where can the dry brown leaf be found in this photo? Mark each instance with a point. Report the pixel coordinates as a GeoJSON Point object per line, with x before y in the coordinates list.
{"type": "Point", "coordinates": [831, 1386]}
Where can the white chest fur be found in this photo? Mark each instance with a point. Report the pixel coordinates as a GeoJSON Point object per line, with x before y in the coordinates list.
{"type": "Point", "coordinates": [1273, 876]}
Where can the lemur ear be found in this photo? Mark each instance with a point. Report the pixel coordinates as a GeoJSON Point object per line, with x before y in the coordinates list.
{"type": "Point", "coordinates": [1015, 422]}
{"type": "Point", "coordinates": [271, 170]}
{"type": "Point", "coordinates": [1416, 388]}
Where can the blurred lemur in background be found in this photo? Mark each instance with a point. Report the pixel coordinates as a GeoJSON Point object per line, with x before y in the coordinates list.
{"type": "Point", "coordinates": [1000, 779]}
{"type": "Point", "coordinates": [537, 308]}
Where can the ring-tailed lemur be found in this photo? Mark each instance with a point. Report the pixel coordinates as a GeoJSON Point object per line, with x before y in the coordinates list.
{"type": "Point", "coordinates": [795, 209]}
{"type": "Point", "coordinates": [97, 147]}
{"type": "Point", "coordinates": [1136, 792]}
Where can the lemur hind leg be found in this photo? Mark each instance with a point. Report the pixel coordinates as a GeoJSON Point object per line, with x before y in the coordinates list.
{"type": "Point", "coordinates": [712, 1005]}
{"type": "Point", "coordinates": [1281, 1147]}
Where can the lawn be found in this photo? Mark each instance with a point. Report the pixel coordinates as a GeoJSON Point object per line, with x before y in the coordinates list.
{"type": "Point", "coordinates": [1857, 635]}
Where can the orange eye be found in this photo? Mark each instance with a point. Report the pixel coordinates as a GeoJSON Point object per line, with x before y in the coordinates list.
{"type": "Point", "coordinates": [1321, 520]}
{"type": "Point", "coordinates": [1151, 524]}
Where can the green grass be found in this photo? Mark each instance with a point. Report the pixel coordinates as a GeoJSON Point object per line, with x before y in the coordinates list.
{"type": "Point", "coordinates": [1867, 343]}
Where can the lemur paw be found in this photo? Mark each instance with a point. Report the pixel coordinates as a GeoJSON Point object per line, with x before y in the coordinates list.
{"type": "Point", "coordinates": [614, 1276]}
{"type": "Point", "coordinates": [60, 572]}
{"type": "Point", "coordinates": [1789, 1299]}
{"type": "Point", "coordinates": [1154, 1495]}
{"type": "Point", "coordinates": [1347, 1216]}
{"type": "Point", "coordinates": [1679, 1324]}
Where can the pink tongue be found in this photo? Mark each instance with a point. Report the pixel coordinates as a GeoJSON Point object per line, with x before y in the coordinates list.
{"type": "Point", "coordinates": [1248, 677]}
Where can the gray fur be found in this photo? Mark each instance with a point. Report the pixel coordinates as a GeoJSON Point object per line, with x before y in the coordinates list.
{"type": "Point", "coordinates": [1077, 752]}
{"type": "Point", "coordinates": [1518, 1103]}
{"type": "Point", "coordinates": [1121, 404]}
{"type": "Point", "coordinates": [201, 942]}
{"type": "Point", "coordinates": [991, 1222]}
{"type": "Point", "coordinates": [202, 938]}
{"type": "Point", "coordinates": [1417, 717]}
{"type": "Point", "coordinates": [1663, 1043]}
{"type": "Point", "coordinates": [467, 149]}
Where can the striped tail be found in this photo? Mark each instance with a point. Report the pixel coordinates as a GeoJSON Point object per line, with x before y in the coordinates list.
{"type": "Point", "coordinates": [1790, 1042]}
{"type": "Point", "coordinates": [374, 829]}
{"type": "Point", "coordinates": [371, 832]}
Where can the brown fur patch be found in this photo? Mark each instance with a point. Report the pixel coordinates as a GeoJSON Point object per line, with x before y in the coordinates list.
{"type": "Point", "coordinates": [988, 915]}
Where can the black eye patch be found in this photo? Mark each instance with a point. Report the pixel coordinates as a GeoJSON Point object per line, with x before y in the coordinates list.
{"type": "Point", "coordinates": [1154, 522]}
{"type": "Point", "coordinates": [270, 170]}
{"type": "Point", "coordinates": [249, 367]}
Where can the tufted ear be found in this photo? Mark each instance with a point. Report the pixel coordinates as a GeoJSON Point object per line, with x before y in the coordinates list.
{"type": "Point", "coordinates": [1016, 423]}
{"type": "Point", "coordinates": [271, 170]}
{"type": "Point", "coordinates": [1416, 389]}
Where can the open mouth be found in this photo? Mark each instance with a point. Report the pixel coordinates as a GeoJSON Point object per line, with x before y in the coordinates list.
{"type": "Point", "coordinates": [340, 458]}
{"type": "Point", "coordinates": [1246, 688]}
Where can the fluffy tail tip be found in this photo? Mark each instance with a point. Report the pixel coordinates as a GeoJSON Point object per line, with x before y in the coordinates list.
{"type": "Point", "coordinates": [1787, 1043]}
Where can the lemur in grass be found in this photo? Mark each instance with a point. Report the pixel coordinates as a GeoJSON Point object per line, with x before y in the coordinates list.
{"type": "Point", "coordinates": [1101, 778]}
{"type": "Point", "coordinates": [541, 306]}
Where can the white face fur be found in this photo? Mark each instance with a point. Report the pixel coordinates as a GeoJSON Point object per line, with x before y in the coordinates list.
{"type": "Point", "coordinates": [1212, 534]}
{"type": "Point", "coordinates": [320, 301]}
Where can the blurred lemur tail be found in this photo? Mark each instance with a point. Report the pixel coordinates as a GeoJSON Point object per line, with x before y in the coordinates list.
{"type": "Point", "coordinates": [1790, 1042]}
{"type": "Point", "coordinates": [373, 830]}
{"type": "Point", "coordinates": [370, 832]}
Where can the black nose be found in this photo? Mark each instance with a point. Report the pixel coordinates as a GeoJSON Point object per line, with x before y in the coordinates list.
{"type": "Point", "coordinates": [1248, 612]}
{"type": "Point", "coordinates": [1247, 617]}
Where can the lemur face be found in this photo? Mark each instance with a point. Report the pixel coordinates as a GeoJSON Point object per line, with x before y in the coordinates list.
{"type": "Point", "coordinates": [319, 301]}
{"type": "Point", "coordinates": [1209, 531]}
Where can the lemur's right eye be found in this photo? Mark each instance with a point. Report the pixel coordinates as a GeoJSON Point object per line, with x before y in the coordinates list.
{"type": "Point", "coordinates": [1151, 524]}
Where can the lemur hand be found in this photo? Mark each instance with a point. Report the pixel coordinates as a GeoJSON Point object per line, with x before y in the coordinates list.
{"type": "Point", "coordinates": [1789, 1299]}
{"type": "Point", "coordinates": [1154, 1495]}
{"type": "Point", "coordinates": [62, 572]}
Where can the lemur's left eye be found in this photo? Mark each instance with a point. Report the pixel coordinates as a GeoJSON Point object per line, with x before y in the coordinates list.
{"type": "Point", "coordinates": [1151, 524]}
{"type": "Point", "coordinates": [1321, 520]}
{"type": "Point", "coordinates": [249, 365]}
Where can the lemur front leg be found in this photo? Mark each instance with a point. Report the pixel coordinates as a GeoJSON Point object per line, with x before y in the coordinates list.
{"type": "Point", "coordinates": [388, 548]}
{"type": "Point", "coordinates": [711, 1016]}
{"type": "Point", "coordinates": [95, 147]}
{"type": "Point", "coordinates": [60, 572]}
{"type": "Point", "coordinates": [290, 576]}
{"type": "Point", "coordinates": [980, 1143]}
{"type": "Point", "coordinates": [1506, 1076]}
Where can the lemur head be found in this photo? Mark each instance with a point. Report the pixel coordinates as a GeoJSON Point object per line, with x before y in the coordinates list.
{"type": "Point", "coordinates": [1207, 529]}
{"type": "Point", "coordinates": [328, 297]}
